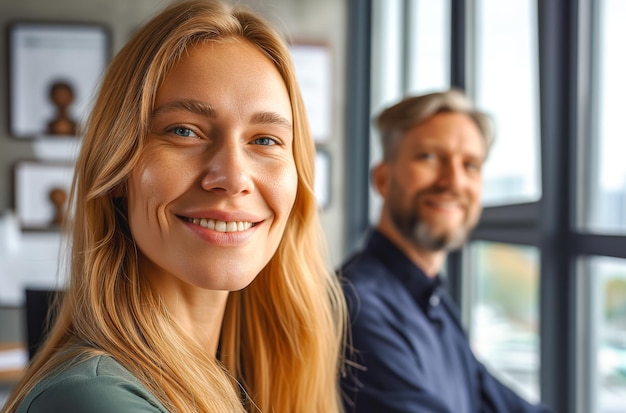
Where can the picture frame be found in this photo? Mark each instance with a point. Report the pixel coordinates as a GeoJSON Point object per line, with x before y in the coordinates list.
{"type": "Point", "coordinates": [313, 65]}
{"type": "Point", "coordinates": [322, 184]}
{"type": "Point", "coordinates": [41, 189]}
{"type": "Point", "coordinates": [54, 70]}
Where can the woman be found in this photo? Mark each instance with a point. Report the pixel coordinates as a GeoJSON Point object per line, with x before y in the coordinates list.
{"type": "Point", "coordinates": [197, 278]}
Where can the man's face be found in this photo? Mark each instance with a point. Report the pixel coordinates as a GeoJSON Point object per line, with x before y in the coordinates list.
{"type": "Point", "coordinates": [433, 186]}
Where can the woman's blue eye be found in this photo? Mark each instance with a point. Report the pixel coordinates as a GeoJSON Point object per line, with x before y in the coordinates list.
{"type": "Point", "coordinates": [181, 131]}
{"type": "Point", "coordinates": [264, 140]}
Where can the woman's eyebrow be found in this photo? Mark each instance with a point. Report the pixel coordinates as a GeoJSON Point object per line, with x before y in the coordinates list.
{"type": "Point", "coordinates": [272, 118]}
{"type": "Point", "coordinates": [190, 105]}
{"type": "Point", "coordinates": [205, 109]}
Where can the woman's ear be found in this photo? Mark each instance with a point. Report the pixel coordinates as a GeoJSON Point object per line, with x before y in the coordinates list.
{"type": "Point", "coordinates": [380, 178]}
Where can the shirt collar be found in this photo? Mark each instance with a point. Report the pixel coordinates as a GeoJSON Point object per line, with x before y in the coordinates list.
{"type": "Point", "coordinates": [400, 266]}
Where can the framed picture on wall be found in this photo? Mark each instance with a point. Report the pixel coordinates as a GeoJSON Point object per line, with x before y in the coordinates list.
{"type": "Point", "coordinates": [41, 192]}
{"type": "Point", "coordinates": [313, 66]}
{"type": "Point", "coordinates": [54, 70]}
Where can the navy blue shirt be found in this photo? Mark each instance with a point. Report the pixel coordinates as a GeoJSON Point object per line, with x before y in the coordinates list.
{"type": "Point", "coordinates": [412, 353]}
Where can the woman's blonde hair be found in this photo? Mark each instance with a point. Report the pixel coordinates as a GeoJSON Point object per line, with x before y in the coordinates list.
{"type": "Point", "coordinates": [282, 335]}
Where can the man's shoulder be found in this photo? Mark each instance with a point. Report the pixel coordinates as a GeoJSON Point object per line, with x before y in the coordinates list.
{"type": "Point", "coordinates": [97, 384]}
{"type": "Point", "coordinates": [370, 289]}
{"type": "Point", "coordinates": [364, 273]}
{"type": "Point", "coordinates": [362, 265]}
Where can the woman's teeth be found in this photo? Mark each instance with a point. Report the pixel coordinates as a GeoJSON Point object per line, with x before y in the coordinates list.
{"type": "Point", "coordinates": [220, 226]}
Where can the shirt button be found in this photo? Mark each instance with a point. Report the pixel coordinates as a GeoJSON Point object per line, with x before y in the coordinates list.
{"type": "Point", "coordinates": [434, 300]}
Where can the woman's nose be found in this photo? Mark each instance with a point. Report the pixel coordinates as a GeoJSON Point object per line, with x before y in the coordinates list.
{"type": "Point", "coordinates": [228, 171]}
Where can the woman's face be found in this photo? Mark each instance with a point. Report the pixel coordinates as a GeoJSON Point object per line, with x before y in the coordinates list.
{"type": "Point", "coordinates": [210, 197]}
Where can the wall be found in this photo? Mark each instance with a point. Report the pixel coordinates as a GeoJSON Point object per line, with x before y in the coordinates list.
{"type": "Point", "coordinates": [301, 20]}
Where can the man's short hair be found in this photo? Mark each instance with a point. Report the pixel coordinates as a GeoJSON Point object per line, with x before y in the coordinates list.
{"type": "Point", "coordinates": [394, 121]}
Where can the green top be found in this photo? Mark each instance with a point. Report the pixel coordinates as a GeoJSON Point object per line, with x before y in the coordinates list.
{"type": "Point", "coordinates": [97, 385]}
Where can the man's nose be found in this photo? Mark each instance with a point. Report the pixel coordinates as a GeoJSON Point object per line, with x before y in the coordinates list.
{"type": "Point", "coordinates": [452, 175]}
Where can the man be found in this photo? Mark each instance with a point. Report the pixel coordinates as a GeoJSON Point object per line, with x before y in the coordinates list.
{"type": "Point", "coordinates": [409, 347]}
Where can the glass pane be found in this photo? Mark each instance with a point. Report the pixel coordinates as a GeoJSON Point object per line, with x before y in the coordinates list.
{"type": "Point", "coordinates": [386, 77]}
{"type": "Point", "coordinates": [387, 53]}
{"type": "Point", "coordinates": [428, 44]}
{"type": "Point", "coordinates": [608, 346]}
{"type": "Point", "coordinates": [504, 323]}
{"type": "Point", "coordinates": [506, 86]}
{"type": "Point", "coordinates": [608, 208]}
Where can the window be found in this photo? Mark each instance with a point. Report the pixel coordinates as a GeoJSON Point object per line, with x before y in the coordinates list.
{"type": "Point", "coordinates": [606, 355]}
{"type": "Point", "coordinates": [504, 329]}
{"type": "Point", "coordinates": [502, 298]}
{"type": "Point", "coordinates": [603, 212]}
{"type": "Point", "coordinates": [608, 169]}
{"type": "Point", "coordinates": [506, 86]}
{"type": "Point", "coordinates": [428, 41]}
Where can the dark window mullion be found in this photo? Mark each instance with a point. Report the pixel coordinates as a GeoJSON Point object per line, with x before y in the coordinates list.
{"type": "Point", "coordinates": [558, 34]}
{"type": "Point", "coordinates": [600, 245]}
{"type": "Point", "coordinates": [458, 45]}
{"type": "Point", "coordinates": [518, 213]}
{"type": "Point", "coordinates": [458, 74]}
{"type": "Point", "coordinates": [508, 234]}
{"type": "Point", "coordinates": [357, 122]}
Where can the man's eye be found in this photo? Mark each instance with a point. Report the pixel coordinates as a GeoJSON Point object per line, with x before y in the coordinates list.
{"type": "Point", "coordinates": [264, 140]}
{"type": "Point", "coordinates": [425, 155]}
{"type": "Point", "coordinates": [473, 166]}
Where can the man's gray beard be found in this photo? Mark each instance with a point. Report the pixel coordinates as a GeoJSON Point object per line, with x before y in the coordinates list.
{"type": "Point", "coordinates": [421, 236]}
{"type": "Point", "coordinates": [420, 233]}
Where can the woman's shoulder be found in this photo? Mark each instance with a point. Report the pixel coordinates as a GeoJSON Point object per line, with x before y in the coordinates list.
{"type": "Point", "coordinates": [98, 384]}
